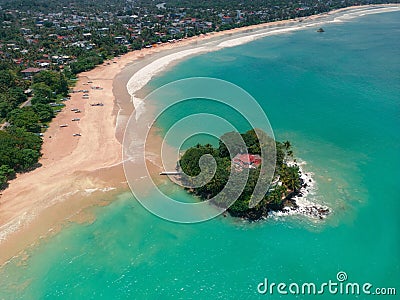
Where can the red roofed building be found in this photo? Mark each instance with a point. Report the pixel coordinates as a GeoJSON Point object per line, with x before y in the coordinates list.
{"type": "Point", "coordinates": [248, 161]}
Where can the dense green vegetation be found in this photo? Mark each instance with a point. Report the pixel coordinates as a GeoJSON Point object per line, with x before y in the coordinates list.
{"type": "Point", "coordinates": [20, 143]}
{"type": "Point", "coordinates": [19, 152]}
{"type": "Point", "coordinates": [274, 199]}
{"type": "Point", "coordinates": [11, 92]}
{"type": "Point", "coordinates": [47, 87]}
{"type": "Point", "coordinates": [86, 62]}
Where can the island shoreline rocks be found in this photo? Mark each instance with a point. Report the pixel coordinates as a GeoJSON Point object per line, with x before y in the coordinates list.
{"type": "Point", "coordinates": [298, 202]}
{"type": "Point", "coordinates": [301, 205]}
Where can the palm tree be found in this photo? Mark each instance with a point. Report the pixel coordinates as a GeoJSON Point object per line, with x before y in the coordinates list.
{"type": "Point", "coordinates": [287, 145]}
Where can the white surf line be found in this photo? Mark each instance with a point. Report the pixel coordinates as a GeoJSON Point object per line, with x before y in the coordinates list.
{"type": "Point", "coordinates": [368, 11]}
{"type": "Point", "coordinates": [14, 225]}
{"type": "Point", "coordinates": [145, 74]}
{"type": "Point", "coordinates": [104, 190]}
{"type": "Point", "coordinates": [28, 216]}
{"type": "Point", "coordinates": [305, 206]}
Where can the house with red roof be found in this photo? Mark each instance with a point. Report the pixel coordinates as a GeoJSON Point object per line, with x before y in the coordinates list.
{"type": "Point", "coordinates": [247, 161]}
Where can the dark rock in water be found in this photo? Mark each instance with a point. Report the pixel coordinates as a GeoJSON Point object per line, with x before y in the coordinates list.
{"type": "Point", "coordinates": [321, 30]}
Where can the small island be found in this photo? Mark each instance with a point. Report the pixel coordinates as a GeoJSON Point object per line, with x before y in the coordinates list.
{"type": "Point", "coordinates": [287, 181]}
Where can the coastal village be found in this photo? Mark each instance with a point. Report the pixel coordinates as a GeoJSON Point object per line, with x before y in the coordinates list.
{"type": "Point", "coordinates": [55, 35]}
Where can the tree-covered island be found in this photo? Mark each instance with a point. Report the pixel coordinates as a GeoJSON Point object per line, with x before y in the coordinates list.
{"type": "Point", "coordinates": [246, 154]}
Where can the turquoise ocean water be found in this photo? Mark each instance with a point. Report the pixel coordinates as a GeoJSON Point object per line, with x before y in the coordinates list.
{"type": "Point", "coordinates": [336, 97]}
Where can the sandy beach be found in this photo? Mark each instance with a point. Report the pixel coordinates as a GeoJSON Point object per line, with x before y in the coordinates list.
{"type": "Point", "coordinates": [79, 172]}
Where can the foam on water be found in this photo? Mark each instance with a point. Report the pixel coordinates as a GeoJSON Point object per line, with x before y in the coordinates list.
{"type": "Point", "coordinates": [144, 75]}
{"type": "Point", "coordinates": [307, 204]}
